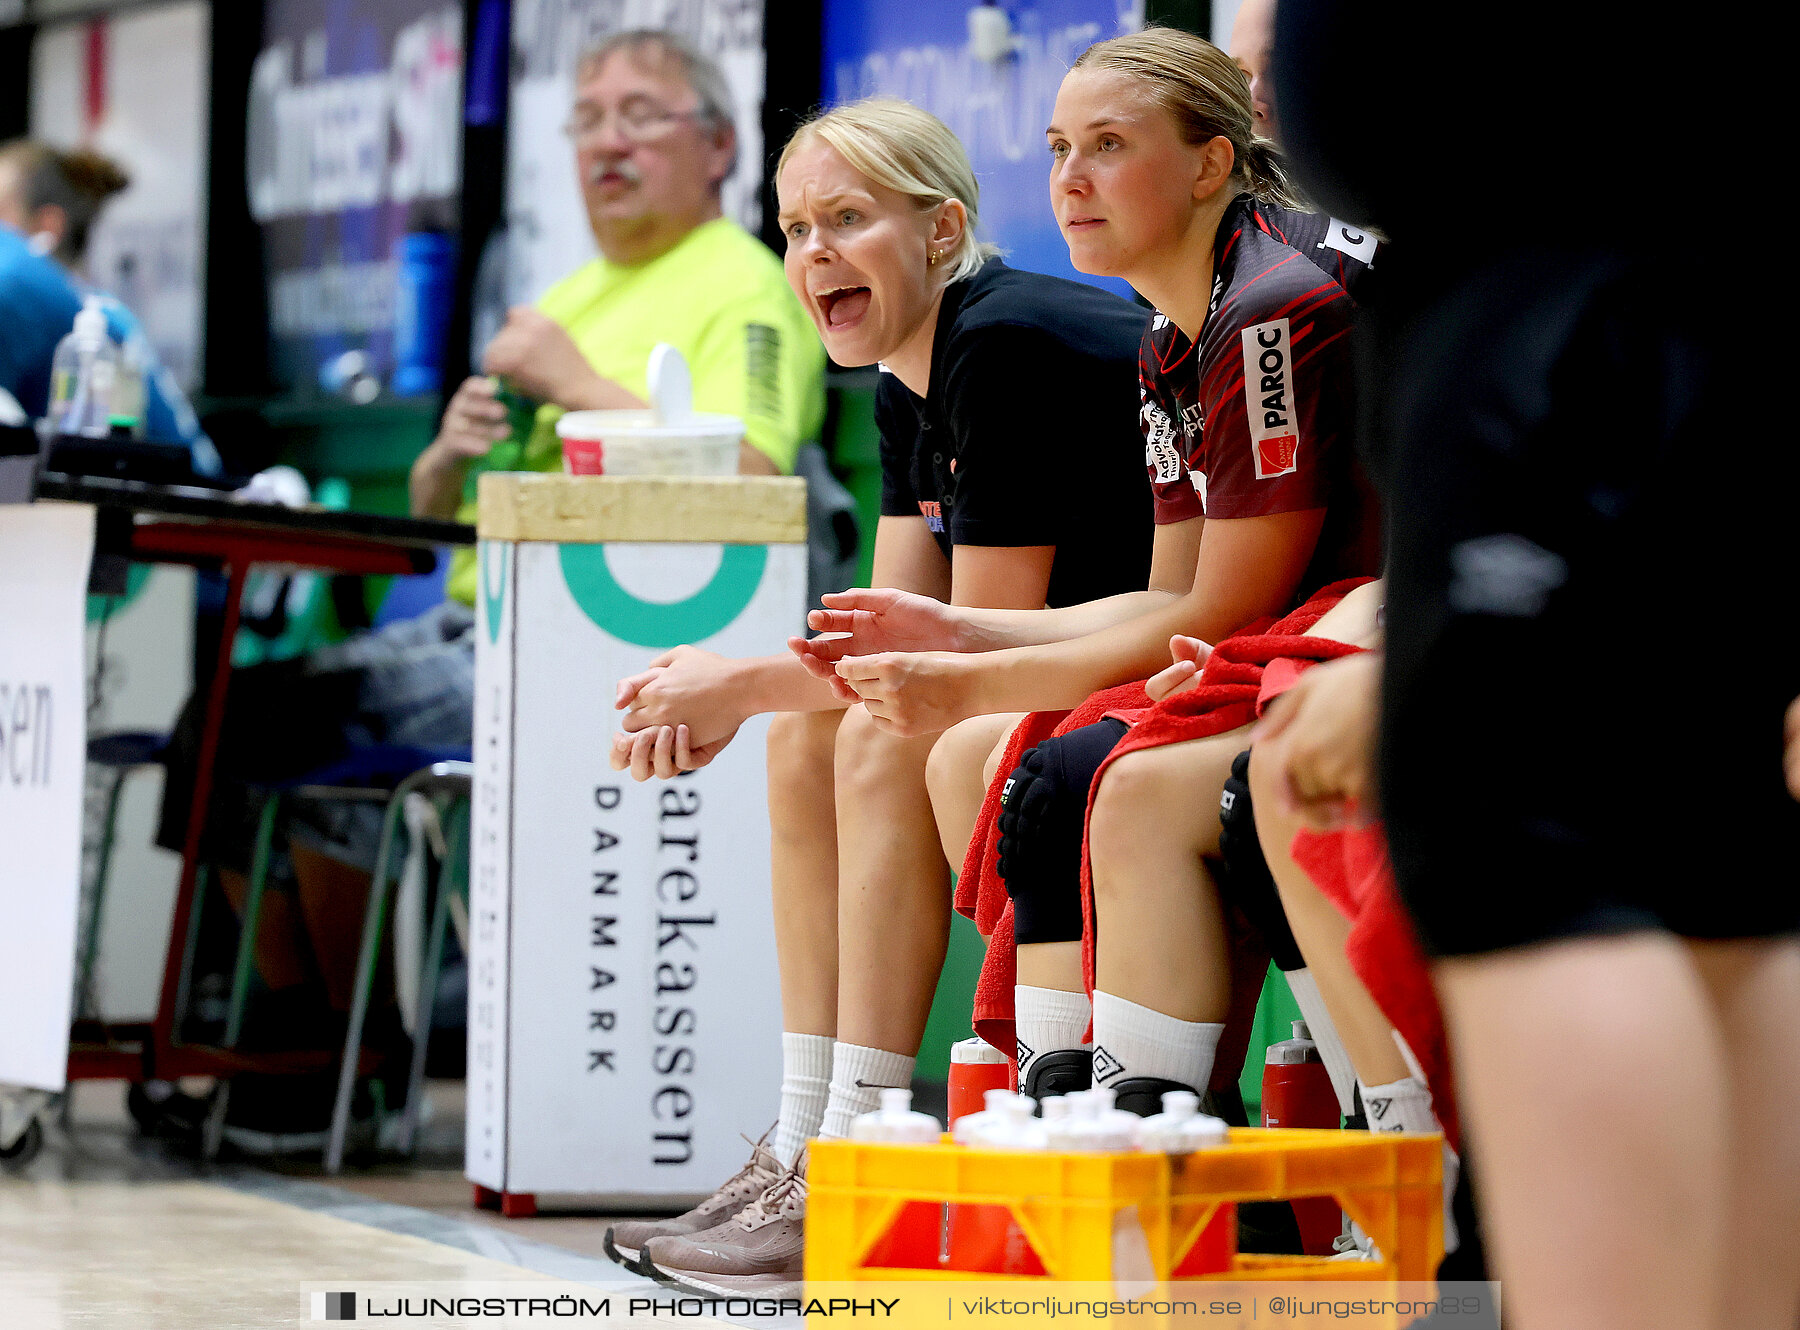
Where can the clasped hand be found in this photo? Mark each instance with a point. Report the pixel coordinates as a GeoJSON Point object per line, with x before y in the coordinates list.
{"type": "Point", "coordinates": [900, 654]}
{"type": "Point", "coordinates": [679, 715]}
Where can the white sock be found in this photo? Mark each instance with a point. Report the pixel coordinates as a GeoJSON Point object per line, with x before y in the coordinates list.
{"type": "Point", "coordinates": [1405, 1105]}
{"type": "Point", "coordinates": [1047, 1020]}
{"type": "Point", "coordinates": [858, 1076]}
{"type": "Point", "coordinates": [805, 1081]}
{"type": "Point", "coordinates": [1324, 1033]}
{"type": "Point", "coordinates": [1132, 1041]}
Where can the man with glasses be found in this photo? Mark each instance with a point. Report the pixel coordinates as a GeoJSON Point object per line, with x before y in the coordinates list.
{"type": "Point", "coordinates": [654, 141]}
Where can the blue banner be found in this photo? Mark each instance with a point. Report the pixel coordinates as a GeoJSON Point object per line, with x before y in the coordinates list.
{"type": "Point", "coordinates": [919, 50]}
{"type": "Point", "coordinates": [355, 142]}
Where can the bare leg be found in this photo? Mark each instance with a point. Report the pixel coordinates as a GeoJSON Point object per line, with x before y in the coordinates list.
{"type": "Point", "coordinates": [1593, 1075]}
{"type": "Point", "coordinates": [1755, 991]}
{"type": "Point", "coordinates": [958, 775]}
{"type": "Point", "coordinates": [1323, 932]}
{"type": "Point", "coordinates": [894, 888]}
{"type": "Point", "coordinates": [1160, 933]}
{"type": "Point", "coordinates": [804, 864]}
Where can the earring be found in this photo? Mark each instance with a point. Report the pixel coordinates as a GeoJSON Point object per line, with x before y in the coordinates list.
{"type": "Point", "coordinates": [932, 261]}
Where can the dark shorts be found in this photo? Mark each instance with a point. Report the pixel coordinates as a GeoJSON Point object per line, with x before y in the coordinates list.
{"type": "Point", "coordinates": [1588, 625]}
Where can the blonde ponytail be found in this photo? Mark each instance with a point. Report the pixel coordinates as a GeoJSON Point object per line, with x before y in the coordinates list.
{"type": "Point", "coordinates": [1206, 94]}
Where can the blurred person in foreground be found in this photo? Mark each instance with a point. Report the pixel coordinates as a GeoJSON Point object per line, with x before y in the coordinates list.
{"type": "Point", "coordinates": [653, 138]}
{"type": "Point", "coordinates": [49, 202]}
{"type": "Point", "coordinates": [1583, 823]}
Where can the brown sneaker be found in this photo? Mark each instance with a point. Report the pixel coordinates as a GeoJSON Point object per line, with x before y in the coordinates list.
{"type": "Point", "coordinates": [625, 1242]}
{"type": "Point", "coordinates": [760, 1252]}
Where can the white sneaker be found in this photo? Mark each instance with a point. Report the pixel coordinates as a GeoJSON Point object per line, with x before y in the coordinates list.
{"type": "Point", "coordinates": [1353, 1244]}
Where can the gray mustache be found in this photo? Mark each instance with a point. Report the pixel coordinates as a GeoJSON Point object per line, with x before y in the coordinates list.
{"type": "Point", "coordinates": [627, 169]}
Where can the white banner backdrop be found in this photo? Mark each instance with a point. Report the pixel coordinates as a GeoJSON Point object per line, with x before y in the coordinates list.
{"type": "Point", "coordinates": [44, 554]}
{"type": "Point", "coordinates": [547, 228]}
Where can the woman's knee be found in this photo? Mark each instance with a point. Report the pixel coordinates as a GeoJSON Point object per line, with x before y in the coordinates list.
{"type": "Point", "coordinates": [1124, 819]}
{"type": "Point", "coordinates": [1132, 805]}
{"type": "Point", "coordinates": [801, 745]}
{"type": "Point", "coordinates": [957, 759]}
{"type": "Point", "coordinates": [870, 762]}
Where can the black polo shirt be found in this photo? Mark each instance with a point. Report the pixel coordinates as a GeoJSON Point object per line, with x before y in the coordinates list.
{"type": "Point", "coordinates": [1028, 434]}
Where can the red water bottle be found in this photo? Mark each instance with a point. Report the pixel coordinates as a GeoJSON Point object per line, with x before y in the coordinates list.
{"type": "Point", "coordinates": [982, 1239]}
{"type": "Point", "coordinates": [1297, 1092]}
{"type": "Point", "coordinates": [976, 1067]}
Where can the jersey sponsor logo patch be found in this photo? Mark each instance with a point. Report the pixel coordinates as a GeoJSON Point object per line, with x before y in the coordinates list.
{"type": "Point", "coordinates": [1269, 399]}
{"type": "Point", "coordinates": [1351, 240]}
{"type": "Point", "coordinates": [1162, 452]}
{"type": "Point", "coordinates": [933, 513]}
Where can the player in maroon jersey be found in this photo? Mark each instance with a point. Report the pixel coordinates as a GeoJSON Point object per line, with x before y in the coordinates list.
{"type": "Point", "coordinates": [1159, 177]}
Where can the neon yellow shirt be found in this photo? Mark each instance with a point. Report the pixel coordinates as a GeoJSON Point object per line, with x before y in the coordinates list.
{"type": "Point", "coordinates": [719, 297]}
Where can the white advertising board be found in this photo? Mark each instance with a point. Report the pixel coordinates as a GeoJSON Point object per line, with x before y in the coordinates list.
{"type": "Point", "coordinates": [624, 1008]}
{"type": "Point", "coordinates": [45, 550]}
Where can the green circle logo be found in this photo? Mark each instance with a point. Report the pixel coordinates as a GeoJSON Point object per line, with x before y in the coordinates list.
{"type": "Point", "coordinates": [656, 624]}
{"type": "Point", "coordinates": [492, 599]}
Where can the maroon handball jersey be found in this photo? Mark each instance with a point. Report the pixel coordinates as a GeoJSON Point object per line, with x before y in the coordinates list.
{"type": "Point", "coordinates": [1258, 418]}
{"type": "Point", "coordinates": [1344, 252]}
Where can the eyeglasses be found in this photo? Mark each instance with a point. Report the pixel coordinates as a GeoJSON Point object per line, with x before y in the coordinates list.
{"type": "Point", "coordinates": [637, 124]}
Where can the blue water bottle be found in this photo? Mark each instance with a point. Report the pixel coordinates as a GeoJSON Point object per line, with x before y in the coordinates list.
{"type": "Point", "coordinates": [427, 261]}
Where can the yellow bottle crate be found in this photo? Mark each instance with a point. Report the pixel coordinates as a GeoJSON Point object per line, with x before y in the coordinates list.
{"type": "Point", "coordinates": [1113, 1217]}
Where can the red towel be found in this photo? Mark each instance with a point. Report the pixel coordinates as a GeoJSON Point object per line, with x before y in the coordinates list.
{"type": "Point", "coordinates": [1224, 699]}
{"type": "Point", "coordinates": [1351, 868]}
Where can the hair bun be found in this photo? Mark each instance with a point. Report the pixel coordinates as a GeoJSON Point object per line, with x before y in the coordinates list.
{"type": "Point", "coordinates": [91, 174]}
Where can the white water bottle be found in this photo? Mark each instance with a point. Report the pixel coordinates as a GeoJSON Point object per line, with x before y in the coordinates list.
{"type": "Point", "coordinates": [895, 1123]}
{"type": "Point", "coordinates": [1013, 1127]}
{"type": "Point", "coordinates": [1181, 1128]}
{"type": "Point", "coordinates": [82, 376]}
{"type": "Point", "coordinates": [1061, 1113]}
{"type": "Point", "coordinates": [1100, 1126]}
{"type": "Point", "coordinates": [969, 1128]}
{"type": "Point", "coordinates": [1166, 1132]}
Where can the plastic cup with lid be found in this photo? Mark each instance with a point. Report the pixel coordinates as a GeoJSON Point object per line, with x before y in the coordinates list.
{"type": "Point", "coordinates": [669, 439]}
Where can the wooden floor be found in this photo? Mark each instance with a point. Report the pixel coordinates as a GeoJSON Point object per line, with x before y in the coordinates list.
{"type": "Point", "coordinates": [106, 1229]}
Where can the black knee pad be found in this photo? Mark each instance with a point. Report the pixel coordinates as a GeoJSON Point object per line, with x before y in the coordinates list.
{"type": "Point", "coordinates": [1246, 881]}
{"type": "Point", "coordinates": [1043, 809]}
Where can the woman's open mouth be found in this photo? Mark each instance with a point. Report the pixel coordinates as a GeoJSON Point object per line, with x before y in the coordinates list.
{"type": "Point", "coordinates": [843, 306]}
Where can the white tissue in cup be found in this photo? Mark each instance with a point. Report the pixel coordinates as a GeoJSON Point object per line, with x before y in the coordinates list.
{"type": "Point", "coordinates": [670, 439]}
